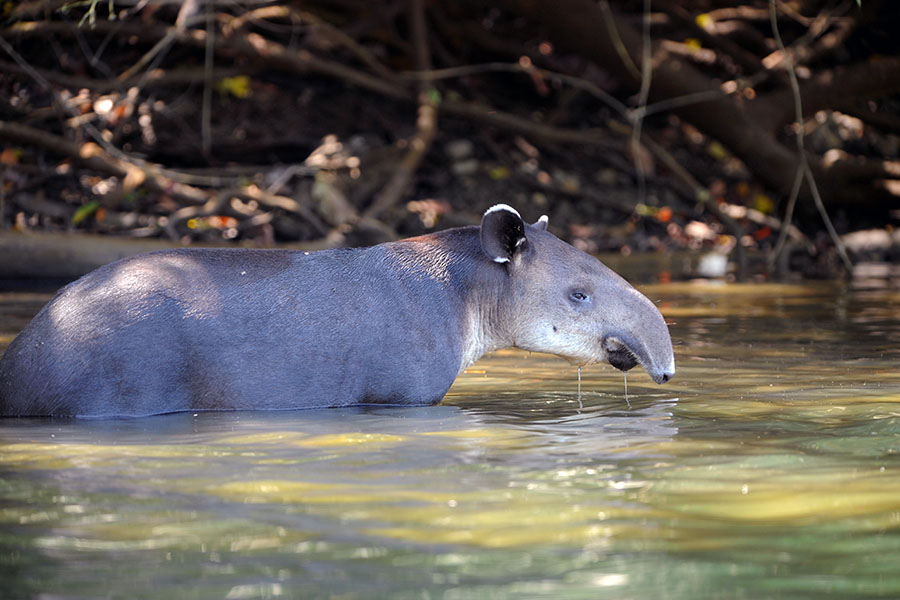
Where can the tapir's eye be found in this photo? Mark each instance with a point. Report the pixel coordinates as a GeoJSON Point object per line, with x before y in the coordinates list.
{"type": "Point", "coordinates": [579, 296]}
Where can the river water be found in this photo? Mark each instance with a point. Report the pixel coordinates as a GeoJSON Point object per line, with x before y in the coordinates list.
{"type": "Point", "coordinates": [768, 468]}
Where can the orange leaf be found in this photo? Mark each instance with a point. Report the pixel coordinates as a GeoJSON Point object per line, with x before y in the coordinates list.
{"type": "Point", "coordinates": [664, 215]}
{"type": "Point", "coordinates": [10, 156]}
{"type": "Point", "coordinates": [762, 233]}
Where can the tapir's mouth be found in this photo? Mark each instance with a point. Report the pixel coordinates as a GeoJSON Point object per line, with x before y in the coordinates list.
{"type": "Point", "coordinates": [619, 355]}
{"type": "Point", "coordinates": [623, 359]}
{"type": "Point", "coordinates": [626, 361]}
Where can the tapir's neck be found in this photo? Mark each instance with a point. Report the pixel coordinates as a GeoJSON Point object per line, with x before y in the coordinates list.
{"type": "Point", "coordinates": [485, 325]}
{"type": "Point", "coordinates": [477, 286]}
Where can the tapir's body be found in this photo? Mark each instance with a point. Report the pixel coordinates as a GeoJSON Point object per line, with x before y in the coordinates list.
{"type": "Point", "coordinates": [261, 329]}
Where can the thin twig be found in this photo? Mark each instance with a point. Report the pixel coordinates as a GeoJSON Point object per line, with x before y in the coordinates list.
{"type": "Point", "coordinates": [157, 48]}
{"type": "Point", "coordinates": [24, 65]}
{"type": "Point", "coordinates": [800, 50]}
{"type": "Point", "coordinates": [185, 18]}
{"type": "Point", "coordinates": [618, 44]}
{"type": "Point", "coordinates": [210, 207]}
{"type": "Point", "coordinates": [94, 57]}
{"type": "Point", "coordinates": [801, 150]}
{"type": "Point", "coordinates": [495, 67]}
{"type": "Point", "coordinates": [786, 222]}
{"type": "Point", "coordinates": [253, 192]}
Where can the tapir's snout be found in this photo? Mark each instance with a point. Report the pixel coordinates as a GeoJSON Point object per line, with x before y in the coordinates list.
{"type": "Point", "coordinates": [625, 363]}
{"type": "Point", "coordinates": [661, 376]}
{"type": "Point", "coordinates": [624, 351]}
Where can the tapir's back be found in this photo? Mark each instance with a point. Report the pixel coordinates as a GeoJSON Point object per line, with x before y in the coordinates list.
{"type": "Point", "coordinates": [233, 329]}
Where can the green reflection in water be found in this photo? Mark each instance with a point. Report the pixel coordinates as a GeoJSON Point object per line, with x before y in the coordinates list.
{"type": "Point", "coordinates": [768, 468]}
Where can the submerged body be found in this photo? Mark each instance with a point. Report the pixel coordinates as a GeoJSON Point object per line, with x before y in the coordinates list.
{"type": "Point", "coordinates": [268, 329]}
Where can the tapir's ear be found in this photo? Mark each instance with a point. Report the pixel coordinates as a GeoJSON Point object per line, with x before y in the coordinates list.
{"type": "Point", "coordinates": [542, 223]}
{"type": "Point", "coordinates": [502, 233]}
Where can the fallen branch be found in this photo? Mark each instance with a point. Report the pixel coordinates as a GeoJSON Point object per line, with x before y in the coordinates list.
{"type": "Point", "coordinates": [252, 192]}
{"type": "Point", "coordinates": [508, 122]}
{"type": "Point", "coordinates": [300, 17]}
{"type": "Point", "coordinates": [94, 157]}
{"type": "Point", "coordinates": [746, 59]}
{"type": "Point", "coordinates": [151, 79]}
{"type": "Point", "coordinates": [829, 88]}
{"type": "Point", "coordinates": [525, 69]}
{"type": "Point", "coordinates": [252, 46]}
{"type": "Point", "coordinates": [66, 256]}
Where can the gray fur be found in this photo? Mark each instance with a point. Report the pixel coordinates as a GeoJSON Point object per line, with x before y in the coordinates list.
{"type": "Point", "coordinates": [242, 329]}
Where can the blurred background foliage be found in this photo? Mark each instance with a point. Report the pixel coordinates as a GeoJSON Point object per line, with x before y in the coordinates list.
{"type": "Point", "coordinates": [760, 130]}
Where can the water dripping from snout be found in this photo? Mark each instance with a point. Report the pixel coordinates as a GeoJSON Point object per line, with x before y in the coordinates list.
{"type": "Point", "coordinates": [580, 405]}
{"type": "Point", "coordinates": [625, 375]}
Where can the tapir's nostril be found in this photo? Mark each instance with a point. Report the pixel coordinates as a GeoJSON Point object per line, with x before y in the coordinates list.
{"type": "Point", "coordinates": [662, 377]}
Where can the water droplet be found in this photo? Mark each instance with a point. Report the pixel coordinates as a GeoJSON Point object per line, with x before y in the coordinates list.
{"type": "Point", "coordinates": [625, 375]}
{"type": "Point", "coordinates": [580, 405]}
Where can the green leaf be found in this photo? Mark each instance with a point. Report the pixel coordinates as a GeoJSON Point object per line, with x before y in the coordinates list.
{"type": "Point", "coordinates": [85, 211]}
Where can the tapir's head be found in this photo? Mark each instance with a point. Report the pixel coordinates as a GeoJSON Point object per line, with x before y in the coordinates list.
{"type": "Point", "coordinates": [566, 302]}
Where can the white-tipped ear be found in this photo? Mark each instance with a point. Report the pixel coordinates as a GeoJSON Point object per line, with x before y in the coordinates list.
{"type": "Point", "coordinates": [502, 233]}
{"type": "Point", "coordinates": [506, 207]}
{"type": "Point", "coordinates": [542, 222]}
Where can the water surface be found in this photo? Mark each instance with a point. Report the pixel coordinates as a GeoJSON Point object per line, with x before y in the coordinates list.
{"type": "Point", "coordinates": [768, 468]}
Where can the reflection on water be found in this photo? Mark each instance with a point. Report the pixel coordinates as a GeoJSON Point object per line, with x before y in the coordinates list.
{"type": "Point", "coordinates": [768, 468]}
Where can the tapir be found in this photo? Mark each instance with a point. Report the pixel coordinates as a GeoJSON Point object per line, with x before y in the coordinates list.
{"type": "Point", "coordinates": [394, 324]}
